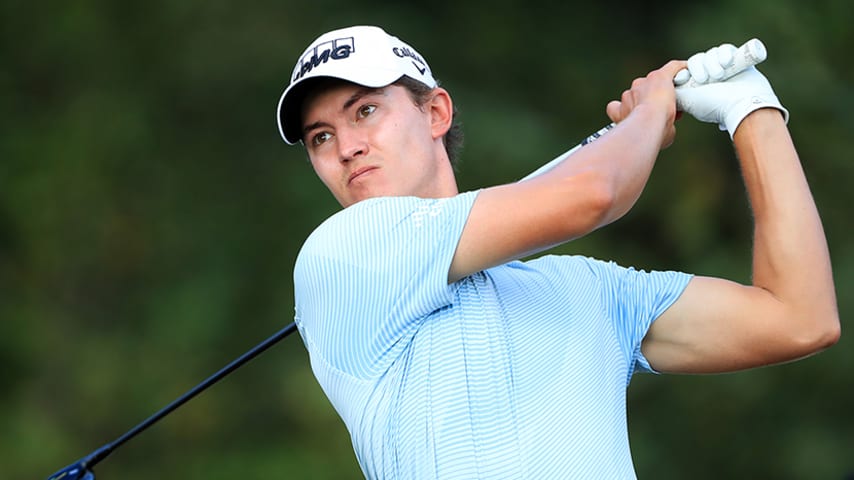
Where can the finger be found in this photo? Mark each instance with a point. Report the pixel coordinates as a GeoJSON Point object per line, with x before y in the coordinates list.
{"type": "Point", "coordinates": [669, 137]}
{"type": "Point", "coordinates": [682, 77]}
{"type": "Point", "coordinates": [697, 68]}
{"type": "Point", "coordinates": [673, 67]}
{"type": "Point", "coordinates": [726, 54]}
{"type": "Point", "coordinates": [627, 101]}
{"type": "Point", "coordinates": [712, 64]}
{"type": "Point", "coordinates": [613, 111]}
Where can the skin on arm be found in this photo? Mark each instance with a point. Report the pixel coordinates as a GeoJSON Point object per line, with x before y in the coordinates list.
{"type": "Point", "coordinates": [590, 189]}
{"type": "Point", "coordinates": [790, 309]}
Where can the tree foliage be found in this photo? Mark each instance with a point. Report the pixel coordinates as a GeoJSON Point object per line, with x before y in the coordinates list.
{"type": "Point", "coordinates": [150, 217]}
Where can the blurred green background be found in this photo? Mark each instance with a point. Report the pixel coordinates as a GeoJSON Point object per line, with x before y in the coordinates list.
{"type": "Point", "coordinates": [150, 217]}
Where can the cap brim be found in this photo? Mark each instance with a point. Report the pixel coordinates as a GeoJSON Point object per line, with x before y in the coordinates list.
{"type": "Point", "coordinates": [290, 104]}
{"type": "Point", "coordinates": [290, 110]}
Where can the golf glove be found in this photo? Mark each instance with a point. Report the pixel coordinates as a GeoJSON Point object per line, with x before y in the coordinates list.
{"type": "Point", "coordinates": [724, 102]}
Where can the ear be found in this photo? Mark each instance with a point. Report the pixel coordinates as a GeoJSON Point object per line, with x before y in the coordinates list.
{"type": "Point", "coordinates": [441, 109]}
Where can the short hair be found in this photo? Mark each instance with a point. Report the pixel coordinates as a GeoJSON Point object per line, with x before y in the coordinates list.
{"type": "Point", "coordinates": [420, 94]}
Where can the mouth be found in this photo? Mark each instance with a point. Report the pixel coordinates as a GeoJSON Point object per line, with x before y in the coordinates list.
{"type": "Point", "coordinates": [360, 172]}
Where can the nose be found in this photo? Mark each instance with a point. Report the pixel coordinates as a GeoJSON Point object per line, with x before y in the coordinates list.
{"type": "Point", "coordinates": [351, 145]}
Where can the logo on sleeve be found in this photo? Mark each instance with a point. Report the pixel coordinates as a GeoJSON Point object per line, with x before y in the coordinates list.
{"type": "Point", "coordinates": [426, 211]}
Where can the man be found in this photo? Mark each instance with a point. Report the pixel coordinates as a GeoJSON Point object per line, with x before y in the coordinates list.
{"type": "Point", "coordinates": [445, 355]}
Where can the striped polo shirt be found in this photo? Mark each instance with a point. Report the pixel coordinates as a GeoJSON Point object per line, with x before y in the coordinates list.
{"type": "Point", "coordinates": [519, 371]}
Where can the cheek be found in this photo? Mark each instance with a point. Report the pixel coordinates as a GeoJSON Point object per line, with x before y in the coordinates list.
{"type": "Point", "coordinates": [323, 171]}
{"type": "Point", "coordinates": [410, 134]}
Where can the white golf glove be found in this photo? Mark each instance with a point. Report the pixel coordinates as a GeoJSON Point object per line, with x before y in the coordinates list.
{"type": "Point", "coordinates": [724, 102]}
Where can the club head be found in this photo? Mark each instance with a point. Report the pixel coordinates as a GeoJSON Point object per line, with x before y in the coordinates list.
{"type": "Point", "coordinates": [75, 471]}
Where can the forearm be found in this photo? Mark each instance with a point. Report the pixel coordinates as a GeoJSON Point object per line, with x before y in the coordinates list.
{"type": "Point", "coordinates": [589, 189]}
{"type": "Point", "coordinates": [621, 161]}
{"type": "Point", "coordinates": [635, 153]}
{"type": "Point", "coordinates": [790, 257]}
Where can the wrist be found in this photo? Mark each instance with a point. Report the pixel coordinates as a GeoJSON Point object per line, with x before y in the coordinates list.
{"type": "Point", "coordinates": [654, 115]}
{"type": "Point", "coordinates": [656, 122]}
{"type": "Point", "coordinates": [759, 125]}
{"type": "Point", "coordinates": [740, 110]}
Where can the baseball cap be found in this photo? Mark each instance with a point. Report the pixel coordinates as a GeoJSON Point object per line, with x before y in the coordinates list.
{"type": "Point", "coordinates": [364, 55]}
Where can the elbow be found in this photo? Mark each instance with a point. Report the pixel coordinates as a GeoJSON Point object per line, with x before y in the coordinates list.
{"type": "Point", "coordinates": [587, 201]}
{"type": "Point", "coordinates": [584, 200]}
{"type": "Point", "coordinates": [601, 202]}
{"type": "Point", "coordinates": [828, 329]}
{"type": "Point", "coordinates": [823, 333]}
{"type": "Point", "coordinates": [601, 207]}
{"type": "Point", "coordinates": [609, 201]}
{"type": "Point", "coordinates": [831, 334]}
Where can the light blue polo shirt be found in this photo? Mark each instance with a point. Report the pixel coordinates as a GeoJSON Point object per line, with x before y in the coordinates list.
{"type": "Point", "coordinates": [519, 371]}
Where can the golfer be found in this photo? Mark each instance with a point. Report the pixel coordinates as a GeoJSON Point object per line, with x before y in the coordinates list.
{"type": "Point", "coordinates": [446, 355]}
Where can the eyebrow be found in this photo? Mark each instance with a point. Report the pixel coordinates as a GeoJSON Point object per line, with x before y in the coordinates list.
{"type": "Point", "coordinates": [358, 95]}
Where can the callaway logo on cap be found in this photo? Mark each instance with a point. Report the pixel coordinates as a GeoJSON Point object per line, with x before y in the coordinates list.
{"type": "Point", "coordinates": [364, 55]}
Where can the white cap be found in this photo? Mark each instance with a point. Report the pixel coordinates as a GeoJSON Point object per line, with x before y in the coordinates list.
{"type": "Point", "coordinates": [364, 55]}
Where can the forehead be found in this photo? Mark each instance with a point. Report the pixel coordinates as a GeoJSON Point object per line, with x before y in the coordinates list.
{"type": "Point", "coordinates": [332, 96]}
{"type": "Point", "coordinates": [330, 90]}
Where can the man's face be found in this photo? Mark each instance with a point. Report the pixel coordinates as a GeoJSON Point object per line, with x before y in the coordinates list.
{"type": "Point", "coordinates": [366, 143]}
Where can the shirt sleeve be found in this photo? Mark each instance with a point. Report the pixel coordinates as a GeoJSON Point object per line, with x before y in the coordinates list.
{"type": "Point", "coordinates": [366, 278]}
{"type": "Point", "coordinates": [633, 299]}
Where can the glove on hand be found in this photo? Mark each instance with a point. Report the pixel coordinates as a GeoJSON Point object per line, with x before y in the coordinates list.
{"type": "Point", "coordinates": [724, 102]}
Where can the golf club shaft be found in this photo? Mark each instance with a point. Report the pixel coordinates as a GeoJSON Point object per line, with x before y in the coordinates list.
{"type": "Point", "coordinates": [101, 453]}
{"type": "Point", "coordinates": [750, 53]}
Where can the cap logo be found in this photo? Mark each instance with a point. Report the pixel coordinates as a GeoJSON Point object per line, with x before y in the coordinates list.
{"type": "Point", "coordinates": [337, 49]}
{"type": "Point", "coordinates": [418, 62]}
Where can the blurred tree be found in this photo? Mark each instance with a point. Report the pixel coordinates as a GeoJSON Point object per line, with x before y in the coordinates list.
{"type": "Point", "coordinates": [150, 217]}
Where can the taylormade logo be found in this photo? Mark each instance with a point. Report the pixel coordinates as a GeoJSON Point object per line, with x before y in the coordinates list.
{"type": "Point", "coordinates": [337, 49]}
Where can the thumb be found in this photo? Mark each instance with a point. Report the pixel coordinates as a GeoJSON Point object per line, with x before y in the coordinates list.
{"type": "Point", "coordinates": [613, 111]}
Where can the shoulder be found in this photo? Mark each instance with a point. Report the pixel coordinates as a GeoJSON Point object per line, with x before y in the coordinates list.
{"type": "Point", "coordinates": [354, 223]}
{"type": "Point", "coordinates": [607, 276]}
{"type": "Point", "coordinates": [385, 219]}
{"type": "Point", "coordinates": [573, 267]}
{"type": "Point", "coordinates": [386, 231]}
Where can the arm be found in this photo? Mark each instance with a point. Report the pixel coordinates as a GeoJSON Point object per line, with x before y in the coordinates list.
{"type": "Point", "coordinates": [590, 189]}
{"type": "Point", "coordinates": [790, 310]}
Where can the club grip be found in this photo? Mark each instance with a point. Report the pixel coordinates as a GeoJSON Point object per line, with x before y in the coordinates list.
{"type": "Point", "coordinates": [751, 53]}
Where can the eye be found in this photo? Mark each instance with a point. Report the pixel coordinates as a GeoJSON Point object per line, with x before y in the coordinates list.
{"type": "Point", "coordinates": [366, 110]}
{"type": "Point", "coordinates": [320, 138]}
